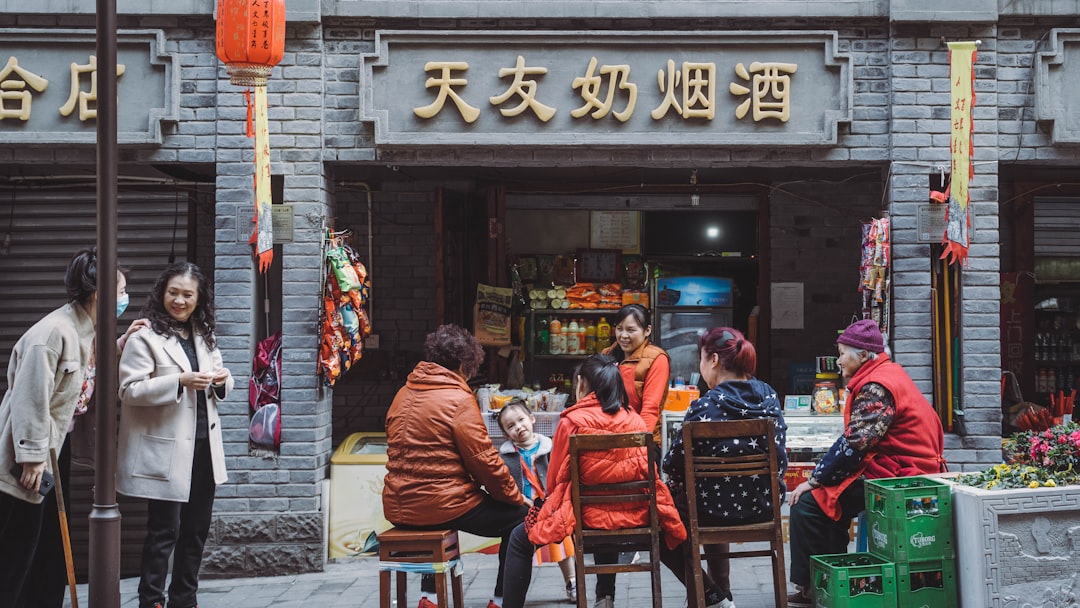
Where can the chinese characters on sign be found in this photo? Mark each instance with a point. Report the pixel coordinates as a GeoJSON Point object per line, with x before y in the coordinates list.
{"type": "Point", "coordinates": [14, 80]}
{"type": "Point", "coordinates": [688, 91]}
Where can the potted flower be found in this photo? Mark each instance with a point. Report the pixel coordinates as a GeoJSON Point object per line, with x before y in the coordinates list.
{"type": "Point", "coordinates": [1015, 524]}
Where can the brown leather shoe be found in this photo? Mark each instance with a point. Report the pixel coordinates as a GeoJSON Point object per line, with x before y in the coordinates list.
{"type": "Point", "coordinates": [800, 599]}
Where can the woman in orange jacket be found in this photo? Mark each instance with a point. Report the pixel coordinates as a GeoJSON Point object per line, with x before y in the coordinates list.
{"type": "Point", "coordinates": [601, 408]}
{"type": "Point", "coordinates": [442, 470]}
{"type": "Point", "coordinates": [645, 368]}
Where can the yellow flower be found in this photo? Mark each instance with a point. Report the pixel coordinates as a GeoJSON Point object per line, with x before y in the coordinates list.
{"type": "Point", "coordinates": [1050, 483]}
{"type": "Point", "coordinates": [991, 484]}
{"type": "Point", "coordinates": [1033, 484]}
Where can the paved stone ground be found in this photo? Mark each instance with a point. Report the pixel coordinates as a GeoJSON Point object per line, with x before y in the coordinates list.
{"type": "Point", "coordinates": [355, 584]}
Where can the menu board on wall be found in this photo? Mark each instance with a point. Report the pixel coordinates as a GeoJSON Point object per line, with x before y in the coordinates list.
{"type": "Point", "coordinates": [615, 230]}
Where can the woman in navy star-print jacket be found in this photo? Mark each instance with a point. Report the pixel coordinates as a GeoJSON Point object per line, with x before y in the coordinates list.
{"type": "Point", "coordinates": [727, 365]}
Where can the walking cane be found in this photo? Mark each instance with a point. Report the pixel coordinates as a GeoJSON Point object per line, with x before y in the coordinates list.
{"type": "Point", "coordinates": [64, 534]}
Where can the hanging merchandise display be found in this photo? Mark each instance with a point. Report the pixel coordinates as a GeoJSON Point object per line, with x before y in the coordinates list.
{"type": "Point", "coordinates": [874, 270]}
{"type": "Point", "coordinates": [344, 319]}
{"type": "Point", "coordinates": [250, 41]}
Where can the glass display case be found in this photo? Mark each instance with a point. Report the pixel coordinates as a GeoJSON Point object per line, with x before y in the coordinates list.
{"type": "Point", "coordinates": [810, 435]}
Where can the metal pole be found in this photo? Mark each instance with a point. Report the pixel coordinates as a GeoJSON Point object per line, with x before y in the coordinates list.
{"type": "Point", "coordinates": [105, 515]}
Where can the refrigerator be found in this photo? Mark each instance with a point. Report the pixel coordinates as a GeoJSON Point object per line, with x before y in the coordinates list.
{"type": "Point", "coordinates": [685, 308]}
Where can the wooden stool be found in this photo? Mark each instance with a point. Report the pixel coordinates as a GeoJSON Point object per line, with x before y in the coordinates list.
{"type": "Point", "coordinates": [423, 551]}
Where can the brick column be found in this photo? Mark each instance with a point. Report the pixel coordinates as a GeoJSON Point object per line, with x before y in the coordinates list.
{"type": "Point", "coordinates": [269, 516]}
{"type": "Point", "coordinates": [920, 142]}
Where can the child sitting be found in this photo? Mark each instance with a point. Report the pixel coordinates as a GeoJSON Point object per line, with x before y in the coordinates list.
{"type": "Point", "coordinates": [526, 455]}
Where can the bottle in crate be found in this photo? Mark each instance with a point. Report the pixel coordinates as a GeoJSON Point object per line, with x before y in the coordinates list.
{"type": "Point", "coordinates": [909, 518]}
{"type": "Point", "coordinates": [853, 580]}
{"type": "Point", "coordinates": [926, 584]}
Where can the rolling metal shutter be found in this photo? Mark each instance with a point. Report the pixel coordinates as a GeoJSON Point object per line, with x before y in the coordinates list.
{"type": "Point", "coordinates": [1057, 227]}
{"type": "Point", "coordinates": [47, 227]}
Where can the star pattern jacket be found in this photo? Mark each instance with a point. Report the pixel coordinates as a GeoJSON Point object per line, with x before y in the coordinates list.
{"type": "Point", "coordinates": [733, 501]}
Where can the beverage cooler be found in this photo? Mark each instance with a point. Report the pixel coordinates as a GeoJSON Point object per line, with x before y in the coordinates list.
{"type": "Point", "coordinates": [685, 308]}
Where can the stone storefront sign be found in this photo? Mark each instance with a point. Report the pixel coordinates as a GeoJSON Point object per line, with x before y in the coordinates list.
{"type": "Point", "coordinates": [565, 88]}
{"type": "Point", "coordinates": [1018, 548]}
{"type": "Point", "coordinates": [48, 86]}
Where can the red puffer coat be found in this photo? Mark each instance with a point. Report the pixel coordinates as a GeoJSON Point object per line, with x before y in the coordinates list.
{"type": "Point", "coordinates": [556, 519]}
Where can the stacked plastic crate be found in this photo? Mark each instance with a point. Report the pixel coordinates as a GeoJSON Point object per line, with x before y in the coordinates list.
{"type": "Point", "coordinates": [912, 560]}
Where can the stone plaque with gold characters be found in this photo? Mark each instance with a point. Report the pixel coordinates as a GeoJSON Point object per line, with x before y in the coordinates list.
{"type": "Point", "coordinates": [548, 88]}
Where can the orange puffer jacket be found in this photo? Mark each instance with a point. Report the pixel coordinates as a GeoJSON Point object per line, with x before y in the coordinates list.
{"type": "Point", "coordinates": [439, 453]}
{"type": "Point", "coordinates": [556, 519]}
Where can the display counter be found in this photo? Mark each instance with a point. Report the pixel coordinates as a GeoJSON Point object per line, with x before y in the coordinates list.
{"type": "Point", "coordinates": [810, 435]}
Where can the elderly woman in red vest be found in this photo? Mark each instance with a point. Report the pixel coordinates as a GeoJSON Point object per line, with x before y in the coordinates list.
{"type": "Point", "coordinates": [890, 430]}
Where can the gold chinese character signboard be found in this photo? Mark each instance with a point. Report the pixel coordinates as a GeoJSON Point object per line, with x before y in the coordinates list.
{"type": "Point", "coordinates": [540, 88]}
{"type": "Point", "coordinates": [48, 86]}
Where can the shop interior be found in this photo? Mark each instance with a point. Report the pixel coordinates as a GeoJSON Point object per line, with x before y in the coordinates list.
{"type": "Point", "coordinates": [1040, 304]}
{"type": "Point", "coordinates": [628, 234]}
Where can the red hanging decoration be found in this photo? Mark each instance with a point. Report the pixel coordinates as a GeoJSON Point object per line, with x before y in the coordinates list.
{"type": "Point", "coordinates": [250, 39]}
{"type": "Point", "coordinates": [250, 42]}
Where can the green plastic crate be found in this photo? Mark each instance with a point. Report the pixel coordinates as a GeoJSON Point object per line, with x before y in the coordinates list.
{"type": "Point", "coordinates": [909, 519]}
{"type": "Point", "coordinates": [927, 584]}
{"type": "Point", "coordinates": [853, 580]}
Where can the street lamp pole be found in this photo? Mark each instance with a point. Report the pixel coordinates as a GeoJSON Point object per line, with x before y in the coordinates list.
{"type": "Point", "coordinates": [105, 515]}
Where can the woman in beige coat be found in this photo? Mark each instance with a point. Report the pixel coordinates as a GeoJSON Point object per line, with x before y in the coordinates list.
{"type": "Point", "coordinates": [47, 377]}
{"type": "Point", "coordinates": [171, 378]}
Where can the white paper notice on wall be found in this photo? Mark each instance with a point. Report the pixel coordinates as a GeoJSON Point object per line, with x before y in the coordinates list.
{"type": "Point", "coordinates": [787, 305]}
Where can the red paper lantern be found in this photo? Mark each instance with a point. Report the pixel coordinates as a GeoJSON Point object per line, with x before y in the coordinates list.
{"type": "Point", "coordinates": [250, 38]}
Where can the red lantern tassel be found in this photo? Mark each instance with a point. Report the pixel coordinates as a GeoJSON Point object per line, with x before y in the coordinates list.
{"type": "Point", "coordinates": [250, 112]}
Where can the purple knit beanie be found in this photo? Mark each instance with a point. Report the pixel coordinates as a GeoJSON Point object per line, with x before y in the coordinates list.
{"type": "Point", "coordinates": [863, 335]}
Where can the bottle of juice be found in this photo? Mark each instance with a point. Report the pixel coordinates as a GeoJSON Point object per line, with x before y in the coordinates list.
{"type": "Point", "coordinates": [572, 338]}
{"type": "Point", "coordinates": [603, 334]}
{"type": "Point", "coordinates": [555, 336]}
{"type": "Point", "coordinates": [590, 338]}
{"type": "Point", "coordinates": [543, 337]}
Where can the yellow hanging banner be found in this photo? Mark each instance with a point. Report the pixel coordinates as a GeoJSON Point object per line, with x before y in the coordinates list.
{"type": "Point", "coordinates": [264, 225]}
{"type": "Point", "coordinates": [962, 98]}
{"type": "Point", "coordinates": [962, 76]}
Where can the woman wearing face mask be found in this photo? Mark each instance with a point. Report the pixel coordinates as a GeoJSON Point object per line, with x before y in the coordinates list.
{"type": "Point", "coordinates": [50, 377]}
{"type": "Point", "coordinates": [171, 452]}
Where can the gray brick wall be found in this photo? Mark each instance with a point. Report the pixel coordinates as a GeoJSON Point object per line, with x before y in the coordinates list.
{"type": "Point", "coordinates": [403, 296]}
{"type": "Point", "coordinates": [815, 230]}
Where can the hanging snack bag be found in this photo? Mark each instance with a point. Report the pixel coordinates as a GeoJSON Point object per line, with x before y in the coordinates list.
{"type": "Point", "coordinates": [492, 315]}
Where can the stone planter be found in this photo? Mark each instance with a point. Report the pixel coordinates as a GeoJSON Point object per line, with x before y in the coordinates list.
{"type": "Point", "coordinates": [1017, 548]}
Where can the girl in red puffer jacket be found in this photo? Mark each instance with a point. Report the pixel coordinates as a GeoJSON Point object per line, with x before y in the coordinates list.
{"type": "Point", "coordinates": [601, 408]}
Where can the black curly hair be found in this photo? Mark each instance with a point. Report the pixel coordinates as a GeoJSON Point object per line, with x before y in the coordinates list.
{"type": "Point", "coordinates": [454, 348]}
{"type": "Point", "coordinates": [202, 320]}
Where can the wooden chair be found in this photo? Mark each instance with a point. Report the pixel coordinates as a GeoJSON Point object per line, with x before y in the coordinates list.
{"type": "Point", "coordinates": [426, 551]}
{"type": "Point", "coordinates": [615, 541]}
{"type": "Point", "coordinates": [699, 467]}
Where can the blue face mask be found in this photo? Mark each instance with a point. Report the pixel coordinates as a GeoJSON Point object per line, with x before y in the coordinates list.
{"type": "Point", "coordinates": [122, 304]}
